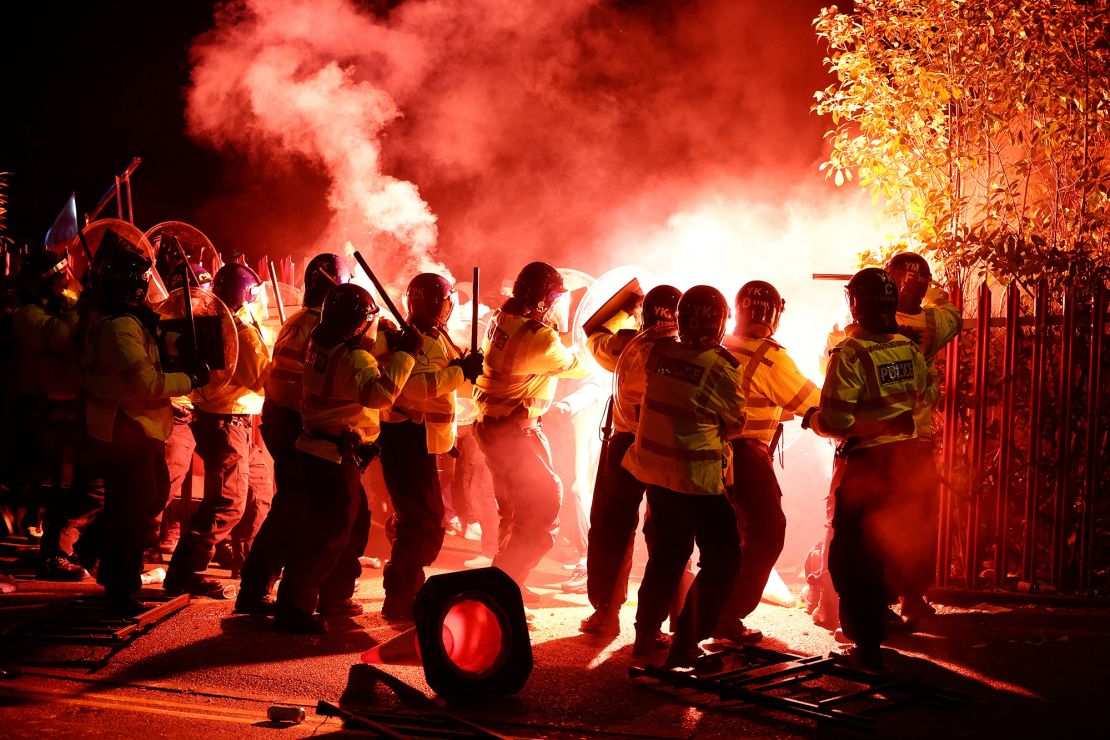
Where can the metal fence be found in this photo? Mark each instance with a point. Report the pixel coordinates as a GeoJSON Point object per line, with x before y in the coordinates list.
{"type": "Point", "coordinates": [1025, 494]}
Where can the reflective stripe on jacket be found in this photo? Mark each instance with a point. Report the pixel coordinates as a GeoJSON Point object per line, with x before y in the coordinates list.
{"type": "Point", "coordinates": [283, 386]}
{"type": "Point", "coordinates": [692, 406]}
{"type": "Point", "coordinates": [243, 393]}
{"type": "Point", "coordinates": [936, 325]}
{"type": "Point", "coordinates": [429, 395]}
{"type": "Point", "coordinates": [771, 383]}
{"type": "Point", "coordinates": [628, 380]}
{"type": "Point", "coordinates": [344, 390]}
{"type": "Point", "coordinates": [524, 357]}
{"type": "Point", "coordinates": [873, 383]}
{"type": "Point", "coordinates": [120, 370]}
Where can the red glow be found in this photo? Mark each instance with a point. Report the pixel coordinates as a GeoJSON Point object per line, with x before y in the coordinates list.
{"type": "Point", "coordinates": [472, 636]}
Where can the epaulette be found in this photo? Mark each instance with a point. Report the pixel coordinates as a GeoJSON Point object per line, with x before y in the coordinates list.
{"type": "Point", "coordinates": [732, 360]}
{"type": "Point", "coordinates": [534, 325]}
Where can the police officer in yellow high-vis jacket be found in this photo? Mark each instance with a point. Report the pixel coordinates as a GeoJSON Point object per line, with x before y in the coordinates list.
{"type": "Point", "coordinates": [344, 390]}
{"type": "Point", "coordinates": [928, 317]}
{"type": "Point", "coordinates": [772, 386]}
{"type": "Point", "coordinates": [281, 426]}
{"type": "Point", "coordinates": [128, 416]}
{"type": "Point", "coordinates": [419, 426]}
{"type": "Point", "coordinates": [523, 359]}
{"type": "Point", "coordinates": [223, 425]}
{"type": "Point", "coordinates": [615, 509]}
{"type": "Point", "coordinates": [692, 405]}
{"type": "Point", "coordinates": [874, 382]}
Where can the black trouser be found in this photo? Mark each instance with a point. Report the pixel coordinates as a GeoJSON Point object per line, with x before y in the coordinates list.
{"type": "Point", "coordinates": [260, 496]}
{"type": "Point", "coordinates": [179, 459]}
{"type": "Point", "coordinates": [528, 492]}
{"type": "Point", "coordinates": [474, 485]}
{"type": "Point", "coordinates": [412, 480]}
{"type": "Point", "coordinates": [866, 538]}
{"type": "Point", "coordinates": [614, 516]}
{"type": "Point", "coordinates": [681, 519]}
{"type": "Point", "coordinates": [334, 525]}
{"type": "Point", "coordinates": [136, 485]}
{"type": "Point", "coordinates": [757, 499]}
{"type": "Point", "coordinates": [280, 428]}
{"type": "Point", "coordinates": [919, 515]}
{"type": "Point", "coordinates": [223, 442]}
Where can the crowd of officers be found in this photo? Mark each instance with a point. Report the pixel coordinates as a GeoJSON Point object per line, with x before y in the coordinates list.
{"type": "Point", "coordinates": [695, 414]}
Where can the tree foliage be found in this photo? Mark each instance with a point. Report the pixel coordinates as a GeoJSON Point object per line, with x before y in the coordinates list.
{"type": "Point", "coordinates": [983, 125]}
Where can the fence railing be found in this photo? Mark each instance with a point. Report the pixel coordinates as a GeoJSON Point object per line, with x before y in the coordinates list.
{"type": "Point", "coordinates": [1025, 495]}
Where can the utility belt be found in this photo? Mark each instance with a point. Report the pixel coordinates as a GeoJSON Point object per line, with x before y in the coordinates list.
{"type": "Point", "coordinates": [845, 447]}
{"type": "Point", "coordinates": [349, 445]}
{"type": "Point", "coordinates": [185, 415]}
{"type": "Point", "coordinates": [235, 420]}
{"type": "Point", "coordinates": [523, 423]}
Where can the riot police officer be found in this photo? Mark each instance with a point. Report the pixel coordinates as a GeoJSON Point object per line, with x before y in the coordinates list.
{"type": "Point", "coordinates": [772, 385]}
{"type": "Point", "coordinates": [281, 426]}
{"type": "Point", "coordinates": [419, 426]}
{"type": "Point", "coordinates": [692, 405]}
{"type": "Point", "coordinates": [127, 415]}
{"type": "Point", "coordinates": [874, 382]}
{"type": "Point", "coordinates": [223, 426]}
{"type": "Point", "coordinates": [344, 389]}
{"type": "Point", "coordinates": [523, 360]}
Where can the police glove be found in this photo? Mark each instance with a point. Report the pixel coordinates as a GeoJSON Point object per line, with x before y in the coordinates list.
{"type": "Point", "coordinates": [199, 375]}
{"type": "Point", "coordinates": [806, 420]}
{"type": "Point", "coordinates": [472, 365]}
{"type": "Point", "coordinates": [409, 340]}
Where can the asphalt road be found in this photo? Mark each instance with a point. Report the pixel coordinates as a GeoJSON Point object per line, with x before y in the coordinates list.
{"type": "Point", "coordinates": [1024, 670]}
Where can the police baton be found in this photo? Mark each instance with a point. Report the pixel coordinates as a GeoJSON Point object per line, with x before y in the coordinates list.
{"type": "Point", "coordinates": [401, 323]}
{"type": "Point", "coordinates": [277, 293]}
{"type": "Point", "coordinates": [190, 321]}
{"type": "Point", "coordinates": [832, 276]}
{"type": "Point", "coordinates": [474, 311]}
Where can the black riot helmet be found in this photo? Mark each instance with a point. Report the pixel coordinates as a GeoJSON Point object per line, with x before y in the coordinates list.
{"type": "Point", "coordinates": [431, 299]}
{"type": "Point", "coordinates": [120, 276]}
{"type": "Point", "coordinates": [660, 305]}
{"type": "Point", "coordinates": [873, 300]}
{"type": "Point", "coordinates": [236, 285]}
{"type": "Point", "coordinates": [758, 303]}
{"type": "Point", "coordinates": [538, 287]}
{"type": "Point", "coordinates": [41, 275]}
{"type": "Point", "coordinates": [702, 314]}
{"type": "Point", "coordinates": [323, 272]}
{"type": "Point", "coordinates": [911, 273]}
{"type": "Point", "coordinates": [347, 313]}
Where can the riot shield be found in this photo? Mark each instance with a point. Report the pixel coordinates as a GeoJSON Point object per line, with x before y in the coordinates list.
{"type": "Point", "coordinates": [113, 233]}
{"type": "Point", "coordinates": [173, 234]}
{"type": "Point", "coordinates": [217, 340]}
{"type": "Point", "coordinates": [599, 292]}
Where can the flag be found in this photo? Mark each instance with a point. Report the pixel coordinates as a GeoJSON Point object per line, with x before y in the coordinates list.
{"type": "Point", "coordinates": [65, 229]}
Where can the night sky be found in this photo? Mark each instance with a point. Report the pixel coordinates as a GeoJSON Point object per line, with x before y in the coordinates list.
{"type": "Point", "coordinates": [88, 86]}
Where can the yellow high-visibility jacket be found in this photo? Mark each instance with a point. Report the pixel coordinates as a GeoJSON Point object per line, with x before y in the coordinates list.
{"type": "Point", "coordinates": [629, 377]}
{"type": "Point", "coordinates": [243, 394]}
{"type": "Point", "coordinates": [47, 351]}
{"type": "Point", "coordinates": [524, 357]}
{"type": "Point", "coordinates": [771, 383]}
{"type": "Point", "coordinates": [693, 405]}
{"type": "Point", "coordinates": [606, 344]}
{"type": "Point", "coordinates": [283, 386]}
{"type": "Point", "coordinates": [872, 386]}
{"type": "Point", "coordinates": [429, 395]}
{"type": "Point", "coordinates": [120, 370]}
{"type": "Point", "coordinates": [344, 390]}
{"type": "Point", "coordinates": [936, 325]}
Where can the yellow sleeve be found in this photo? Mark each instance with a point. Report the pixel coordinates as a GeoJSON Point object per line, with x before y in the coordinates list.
{"type": "Point", "coordinates": [38, 330]}
{"type": "Point", "coordinates": [254, 360]}
{"type": "Point", "coordinates": [433, 384]}
{"type": "Point", "coordinates": [139, 375]}
{"type": "Point", "coordinates": [945, 317]}
{"type": "Point", "coordinates": [556, 359]}
{"type": "Point", "coordinates": [378, 389]}
{"type": "Point", "coordinates": [836, 415]}
{"type": "Point", "coordinates": [729, 401]}
{"type": "Point", "coordinates": [787, 387]}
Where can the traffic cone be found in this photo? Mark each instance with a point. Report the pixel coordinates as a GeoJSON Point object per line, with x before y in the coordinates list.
{"type": "Point", "coordinates": [404, 649]}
